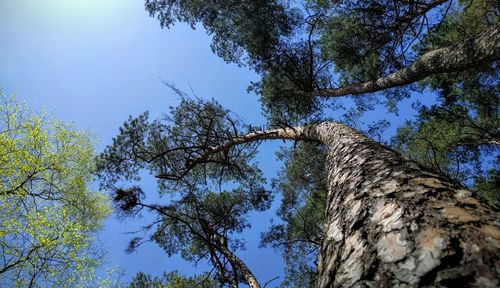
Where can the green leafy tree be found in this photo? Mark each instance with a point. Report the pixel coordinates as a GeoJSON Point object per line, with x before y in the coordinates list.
{"type": "Point", "coordinates": [458, 141]}
{"type": "Point", "coordinates": [49, 218]}
{"type": "Point", "coordinates": [460, 133]}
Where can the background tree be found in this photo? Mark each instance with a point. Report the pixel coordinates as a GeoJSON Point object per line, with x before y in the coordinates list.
{"type": "Point", "coordinates": [240, 29]}
{"type": "Point", "coordinates": [302, 185]}
{"type": "Point", "coordinates": [172, 280]}
{"type": "Point", "coordinates": [49, 218]}
{"type": "Point", "coordinates": [459, 134]}
{"type": "Point", "coordinates": [209, 205]}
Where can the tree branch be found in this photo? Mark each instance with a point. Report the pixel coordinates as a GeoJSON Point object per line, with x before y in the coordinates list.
{"type": "Point", "coordinates": [280, 133]}
{"type": "Point", "coordinates": [483, 48]}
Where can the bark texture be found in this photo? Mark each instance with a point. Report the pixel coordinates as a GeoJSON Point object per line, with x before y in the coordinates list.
{"type": "Point", "coordinates": [481, 49]}
{"type": "Point", "coordinates": [392, 224]}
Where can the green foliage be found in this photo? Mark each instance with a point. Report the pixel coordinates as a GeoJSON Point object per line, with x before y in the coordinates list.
{"type": "Point", "coordinates": [48, 215]}
{"type": "Point", "coordinates": [284, 102]}
{"type": "Point", "coordinates": [209, 202]}
{"type": "Point", "coordinates": [239, 28]}
{"type": "Point", "coordinates": [489, 186]}
{"type": "Point", "coordinates": [189, 223]}
{"type": "Point", "coordinates": [464, 19]}
{"type": "Point", "coordinates": [458, 137]}
{"type": "Point", "coordinates": [167, 147]}
{"type": "Point", "coordinates": [303, 188]}
{"type": "Point", "coordinates": [355, 46]}
{"type": "Point", "coordinates": [172, 280]}
{"type": "Point", "coordinates": [302, 47]}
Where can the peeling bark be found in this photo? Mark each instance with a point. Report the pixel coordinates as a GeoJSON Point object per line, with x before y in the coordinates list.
{"type": "Point", "coordinates": [481, 49]}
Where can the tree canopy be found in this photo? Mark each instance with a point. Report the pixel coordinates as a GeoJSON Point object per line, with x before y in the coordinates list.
{"type": "Point", "coordinates": [210, 202]}
{"type": "Point", "coordinates": [49, 217]}
{"type": "Point", "coordinates": [171, 280]}
{"type": "Point", "coordinates": [335, 48]}
{"type": "Point", "coordinates": [312, 51]}
{"type": "Point", "coordinates": [302, 185]}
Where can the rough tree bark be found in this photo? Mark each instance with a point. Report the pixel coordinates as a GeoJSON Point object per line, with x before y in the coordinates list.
{"type": "Point", "coordinates": [390, 222]}
{"type": "Point", "coordinates": [475, 51]}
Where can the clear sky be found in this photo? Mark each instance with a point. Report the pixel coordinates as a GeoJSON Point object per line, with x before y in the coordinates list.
{"type": "Point", "coordinates": [94, 63]}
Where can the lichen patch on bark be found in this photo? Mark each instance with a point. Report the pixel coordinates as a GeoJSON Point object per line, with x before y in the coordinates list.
{"type": "Point", "coordinates": [429, 182]}
{"type": "Point", "coordinates": [433, 240]}
{"type": "Point", "coordinates": [461, 193]}
{"type": "Point", "coordinates": [352, 243]}
{"type": "Point", "coordinates": [430, 244]}
{"type": "Point", "coordinates": [486, 282]}
{"type": "Point", "coordinates": [335, 231]}
{"type": "Point", "coordinates": [392, 247]}
{"type": "Point", "coordinates": [469, 201]}
{"type": "Point", "coordinates": [405, 271]}
{"type": "Point", "coordinates": [355, 208]}
{"type": "Point", "coordinates": [388, 215]}
{"type": "Point", "coordinates": [351, 269]}
{"type": "Point", "coordinates": [387, 188]}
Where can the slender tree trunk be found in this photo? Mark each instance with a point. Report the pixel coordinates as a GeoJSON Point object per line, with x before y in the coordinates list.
{"type": "Point", "coordinates": [242, 267]}
{"type": "Point", "coordinates": [481, 49]}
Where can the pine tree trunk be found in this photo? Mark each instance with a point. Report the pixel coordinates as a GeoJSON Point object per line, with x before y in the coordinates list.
{"type": "Point", "coordinates": [392, 224]}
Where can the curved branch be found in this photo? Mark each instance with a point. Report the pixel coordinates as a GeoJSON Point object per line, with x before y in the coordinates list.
{"type": "Point", "coordinates": [296, 133]}
{"type": "Point", "coordinates": [483, 48]}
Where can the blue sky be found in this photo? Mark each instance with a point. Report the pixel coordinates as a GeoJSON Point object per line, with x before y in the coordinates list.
{"type": "Point", "coordinates": [94, 63]}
